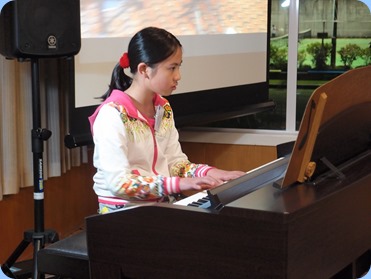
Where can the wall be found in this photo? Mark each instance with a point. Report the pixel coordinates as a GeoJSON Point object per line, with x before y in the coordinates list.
{"type": "Point", "coordinates": [68, 200]}
{"type": "Point", "coordinates": [230, 157]}
{"type": "Point", "coordinates": [233, 149]}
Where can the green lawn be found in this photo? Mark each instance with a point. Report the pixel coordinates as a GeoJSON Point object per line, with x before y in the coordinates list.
{"type": "Point", "coordinates": [340, 42]}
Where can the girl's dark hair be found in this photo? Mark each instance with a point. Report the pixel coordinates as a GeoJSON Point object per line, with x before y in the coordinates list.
{"type": "Point", "coordinates": [150, 45]}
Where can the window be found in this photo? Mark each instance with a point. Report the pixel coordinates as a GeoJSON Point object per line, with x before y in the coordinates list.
{"type": "Point", "coordinates": [323, 40]}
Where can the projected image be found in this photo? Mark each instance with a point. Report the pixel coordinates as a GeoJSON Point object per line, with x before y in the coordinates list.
{"type": "Point", "coordinates": [221, 39]}
{"type": "Point", "coordinates": [122, 18]}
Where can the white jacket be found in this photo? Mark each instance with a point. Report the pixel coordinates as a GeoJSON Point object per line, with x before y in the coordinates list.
{"type": "Point", "coordinates": [137, 158]}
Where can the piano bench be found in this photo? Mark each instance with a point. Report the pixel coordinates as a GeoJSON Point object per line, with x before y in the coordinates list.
{"type": "Point", "coordinates": [66, 258]}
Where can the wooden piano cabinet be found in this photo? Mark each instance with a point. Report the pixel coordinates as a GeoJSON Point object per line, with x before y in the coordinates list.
{"type": "Point", "coordinates": [170, 242]}
{"type": "Point", "coordinates": [302, 232]}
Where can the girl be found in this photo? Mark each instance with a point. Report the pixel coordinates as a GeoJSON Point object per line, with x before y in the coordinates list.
{"type": "Point", "coordinates": [137, 153]}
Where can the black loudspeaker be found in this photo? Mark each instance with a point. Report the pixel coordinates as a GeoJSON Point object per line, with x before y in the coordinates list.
{"type": "Point", "coordinates": [40, 28]}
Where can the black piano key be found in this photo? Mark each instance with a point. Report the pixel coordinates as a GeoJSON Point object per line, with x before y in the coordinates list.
{"type": "Point", "coordinates": [193, 204]}
{"type": "Point", "coordinates": [203, 203]}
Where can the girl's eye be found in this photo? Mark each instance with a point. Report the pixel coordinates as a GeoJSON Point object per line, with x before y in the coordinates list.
{"type": "Point", "coordinates": [173, 68]}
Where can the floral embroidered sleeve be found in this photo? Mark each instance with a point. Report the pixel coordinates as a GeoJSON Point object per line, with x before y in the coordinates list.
{"type": "Point", "coordinates": [136, 187]}
{"type": "Point", "coordinates": [187, 169]}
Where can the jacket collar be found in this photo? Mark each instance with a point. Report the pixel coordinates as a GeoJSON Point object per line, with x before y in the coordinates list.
{"type": "Point", "coordinates": [120, 97]}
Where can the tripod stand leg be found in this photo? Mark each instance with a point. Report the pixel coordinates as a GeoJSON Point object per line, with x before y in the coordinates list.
{"type": "Point", "coordinates": [39, 239]}
{"type": "Point", "coordinates": [37, 246]}
{"type": "Point", "coordinates": [6, 267]}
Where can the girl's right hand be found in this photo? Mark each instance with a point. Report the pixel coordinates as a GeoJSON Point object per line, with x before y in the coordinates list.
{"type": "Point", "coordinates": [198, 183]}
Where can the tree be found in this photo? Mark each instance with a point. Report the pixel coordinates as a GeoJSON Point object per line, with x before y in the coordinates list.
{"type": "Point", "coordinates": [349, 53]}
{"type": "Point", "coordinates": [278, 57]}
{"type": "Point", "coordinates": [366, 55]}
{"type": "Point", "coordinates": [320, 52]}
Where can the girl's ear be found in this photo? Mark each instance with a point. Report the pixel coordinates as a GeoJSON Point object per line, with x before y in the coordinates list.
{"type": "Point", "coordinates": [142, 69]}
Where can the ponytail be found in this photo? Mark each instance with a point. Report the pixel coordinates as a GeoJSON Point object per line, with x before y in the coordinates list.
{"type": "Point", "coordinates": [119, 80]}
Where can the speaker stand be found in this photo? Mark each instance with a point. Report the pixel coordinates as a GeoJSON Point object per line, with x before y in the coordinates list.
{"type": "Point", "coordinates": [39, 236]}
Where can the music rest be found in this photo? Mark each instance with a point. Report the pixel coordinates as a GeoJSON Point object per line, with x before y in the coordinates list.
{"type": "Point", "coordinates": [335, 127]}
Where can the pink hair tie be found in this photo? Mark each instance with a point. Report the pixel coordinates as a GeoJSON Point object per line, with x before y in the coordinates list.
{"type": "Point", "coordinates": [124, 61]}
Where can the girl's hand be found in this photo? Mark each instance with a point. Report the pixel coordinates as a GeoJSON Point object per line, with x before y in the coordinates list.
{"type": "Point", "coordinates": [199, 183]}
{"type": "Point", "coordinates": [223, 175]}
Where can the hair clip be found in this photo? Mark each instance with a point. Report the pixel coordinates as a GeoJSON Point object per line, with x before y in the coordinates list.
{"type": "Point", "coordinates": [124, 61]}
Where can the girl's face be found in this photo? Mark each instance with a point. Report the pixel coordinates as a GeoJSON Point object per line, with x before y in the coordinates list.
{"type": "Point", "coordinates": [164, 77]}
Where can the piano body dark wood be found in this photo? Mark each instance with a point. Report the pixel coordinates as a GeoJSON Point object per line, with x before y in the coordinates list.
{"type": "Point", "coordinates": [304, 231]}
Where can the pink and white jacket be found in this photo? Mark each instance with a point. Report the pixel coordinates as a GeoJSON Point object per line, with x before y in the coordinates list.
{"type": "Point", "coordinates": [137, 158]}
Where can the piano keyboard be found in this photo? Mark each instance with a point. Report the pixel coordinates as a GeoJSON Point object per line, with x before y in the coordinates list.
{"type": "Point", "coordinates": [254, 179]}
{"type": "Point", "coordinates": [199, 199]}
